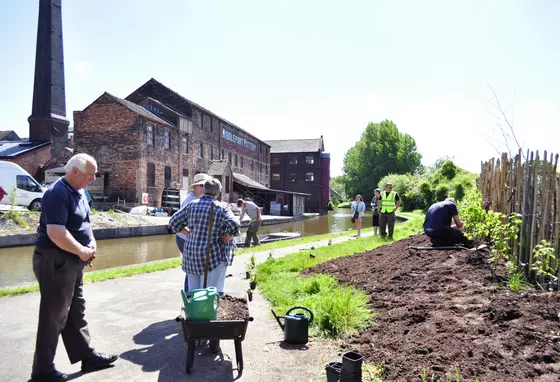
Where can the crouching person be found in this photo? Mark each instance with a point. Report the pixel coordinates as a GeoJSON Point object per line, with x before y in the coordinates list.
{"type": "Point", "coordinates": [193, 220]}
{"type": "Point", "coordinates": [437, 225]}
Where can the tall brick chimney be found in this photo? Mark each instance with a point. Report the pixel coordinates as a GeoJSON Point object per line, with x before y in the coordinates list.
{"type": "Point", "coordinates": [48, 120]}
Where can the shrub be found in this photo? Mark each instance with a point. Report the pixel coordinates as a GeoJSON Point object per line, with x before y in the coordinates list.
{"type": "Point", "coordinates": [448, 170]}
{"type": "Point", "coordinates": [441, 193]}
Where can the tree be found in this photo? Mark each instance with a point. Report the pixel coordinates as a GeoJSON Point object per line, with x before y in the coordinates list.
{"type": "Point", "coordinates": [381, 150]}
{"type": "Point", "coordinates": [338, 184]}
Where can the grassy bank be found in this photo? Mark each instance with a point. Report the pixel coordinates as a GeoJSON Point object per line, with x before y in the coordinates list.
{"type": "Point", "coordinates": [314, 238]}
{"type": "Point", "coordinates": [339, 310]}
{"type": "Point", "coordinates": [103, 275]}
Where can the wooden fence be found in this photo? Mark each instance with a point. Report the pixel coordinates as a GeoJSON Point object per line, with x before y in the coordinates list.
{"type": "Point", "coordinates": [527, 186]}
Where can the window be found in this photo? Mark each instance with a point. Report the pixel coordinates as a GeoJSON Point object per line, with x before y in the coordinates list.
{"type": "Point", "coordinates": [275, 177]}
{"type": "Point", "coordinates": [241, 161]}
{"type": "Point", "coordinates": [201, 121]}
{"type": "Point", "coordinates": [309, 177]}
{"type": "Point", "coordinates": [252, 165]}
{"type": "Point", "coordinates": [25, 183]}
{"type": "Point", "coordinates": [185, 172]}
{"type": "Point", "coordinates": [211, 152]}
{"type": "Point", "coordinates": [167, 177]}
{"type": "Point", "coordinates": [266, 169]}
{"type": "Point", "coordinates": [235, 160]}
{"type": "Point", "coordinates": [309, 159]}
{"type": "Point", "coordinates": [223, 155]}
{"type": "Point", "coordinates": [185, 145]}
{"type": "Point", "coordinates": [150, 137]}
{"type": "Point", "coordinates": [227, 184]}
{"type": "Point", "coordinates": [151, 175]}
{"type": "Point", "coordinates": [260, 168]}
{"type": "Point", "coordinates": [229, 158]}
{"type": "Point", "coordinates": [211, 124]}
{"type": "Point", "coordinates": [292, 178]}
{"type": "Point", "coordinates": [275, 161]}
{"type": "Point", "coordinates": [293, 160]}
{"type": "Point", "coordinates": [166, 140]}
{"type": "Point", "coordinates": [200, 150]}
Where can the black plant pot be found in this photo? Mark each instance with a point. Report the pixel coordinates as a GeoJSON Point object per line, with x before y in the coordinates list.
{"type": "Point", "coordinates": [333, 371]}
{"type": "Point", "coordinates": [247, 275]}
{"type": "Point", "coordinates": [352, 362]}
{"type": "Point", "coordinates": [253, 285]}
{"type": "Point", "coordinates": [250, 296]}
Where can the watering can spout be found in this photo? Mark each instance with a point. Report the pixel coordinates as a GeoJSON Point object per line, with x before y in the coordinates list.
{"type": "Point", "coordinates": [278, 319]}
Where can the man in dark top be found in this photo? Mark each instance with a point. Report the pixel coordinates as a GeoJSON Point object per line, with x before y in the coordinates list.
{"type": "Point", "coordinates": [437, 225]}
{"type": "Point", "coordinates": [64, 245]}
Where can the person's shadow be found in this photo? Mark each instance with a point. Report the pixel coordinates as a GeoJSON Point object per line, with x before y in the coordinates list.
{"type": "Point", "coordinates": [166, 352]}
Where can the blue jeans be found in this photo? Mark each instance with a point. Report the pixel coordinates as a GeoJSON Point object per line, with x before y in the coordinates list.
{"type": "Point", "coordinates": [180, 244]}
{"type": "Point", "coordinates": [216, 278]}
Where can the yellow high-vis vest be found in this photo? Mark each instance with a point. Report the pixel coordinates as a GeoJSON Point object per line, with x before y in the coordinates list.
{"type": "Point", "coordinates": [388, 202]}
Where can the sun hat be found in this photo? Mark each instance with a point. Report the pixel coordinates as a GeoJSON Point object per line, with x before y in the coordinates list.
{"type": "Point", "coordinates": [200, 179]}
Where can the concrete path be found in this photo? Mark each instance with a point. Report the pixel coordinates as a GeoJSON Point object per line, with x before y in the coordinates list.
{"type": "Point", "coordinates": [135, 317]}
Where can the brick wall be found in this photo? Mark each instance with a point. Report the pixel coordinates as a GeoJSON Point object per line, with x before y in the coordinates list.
{"type": "Point", "coordinates": [208, 129]}
{"type": "Point", "coordinates": [33, 161]}
{"type": "Point", "coordinates": [117, 138]}
{"type": "Point", "coordinates": [299, 170]}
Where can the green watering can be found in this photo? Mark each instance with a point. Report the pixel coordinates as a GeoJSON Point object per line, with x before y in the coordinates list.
{"type": "Point", "coordinates": [203, 304]}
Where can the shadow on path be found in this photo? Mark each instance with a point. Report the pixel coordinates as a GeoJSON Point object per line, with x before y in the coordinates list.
{"type": "Point", "coordinates": [165, 352]}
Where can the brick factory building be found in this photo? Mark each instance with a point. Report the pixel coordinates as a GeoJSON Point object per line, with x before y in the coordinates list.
{"type": "Point", "coordinates": [301, 165]}
{"type": "Point", "coordinates": [155, 141]}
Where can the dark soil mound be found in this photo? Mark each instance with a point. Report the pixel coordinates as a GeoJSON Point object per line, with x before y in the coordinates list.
{"type": "Point", "coordinates": [232, 308]}
{"type": "Point", "coordinates": [441, 311]}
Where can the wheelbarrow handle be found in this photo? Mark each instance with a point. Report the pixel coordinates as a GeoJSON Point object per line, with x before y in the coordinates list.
{"type": "Point", "coordinates": [311, 315]}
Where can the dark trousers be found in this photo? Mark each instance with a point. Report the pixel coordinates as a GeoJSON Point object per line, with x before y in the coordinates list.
{"type": "Point", "coordinates": [448, 236]}
{"type": "Point", "coordinates": [387, 220]}
{"type": "Point", "coordinates": [252, 231]}
{"type": "Point", "coordinates": [181, 244]}
{"type": "Point", "coordinates": [61, 310]}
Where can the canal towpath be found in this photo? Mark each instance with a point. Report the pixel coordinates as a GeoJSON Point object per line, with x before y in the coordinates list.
{"type": "Point", "coordinates": [135, 317]}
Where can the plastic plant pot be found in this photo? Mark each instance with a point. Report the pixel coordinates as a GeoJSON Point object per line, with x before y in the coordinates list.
{"type": "Point", "coordinates": [333, 371]}
{"type": "Point", "coordinates": [352, 362]}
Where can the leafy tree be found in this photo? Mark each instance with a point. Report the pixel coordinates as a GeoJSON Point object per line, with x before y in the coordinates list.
{"type": "Point", "coordinates": [338, 184]}
{"type": "Point", "coordinates": [381, 150]}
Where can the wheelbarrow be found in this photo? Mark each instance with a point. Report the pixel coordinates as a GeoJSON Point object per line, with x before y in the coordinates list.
{"type": "Point", "coordinates": [214, 331]}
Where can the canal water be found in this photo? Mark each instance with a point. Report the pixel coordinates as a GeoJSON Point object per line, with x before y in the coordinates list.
{"type": "Point", "coordinates": [16, 266]}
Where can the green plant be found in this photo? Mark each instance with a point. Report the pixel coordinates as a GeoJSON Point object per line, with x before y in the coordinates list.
{"type": "Point", "coordinates": [15, 215]}
{"type": "Point", "coordinates": [424, 376]}
{"type": "Point", "coordinates": [543, 258]}
{"type": "Point", "coordinates": [516, 282]}
{"type": "Point", "coordinates": [490, 227]}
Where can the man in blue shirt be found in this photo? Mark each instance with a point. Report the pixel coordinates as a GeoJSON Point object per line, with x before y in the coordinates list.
{"type": "Point", "coordinates": [65, 243]}
{"type": "Point", "coordinates": [437, 225]}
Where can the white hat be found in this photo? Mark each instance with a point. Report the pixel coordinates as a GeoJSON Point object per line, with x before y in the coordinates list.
{"type": "Point", "coordinates": [200, 179]}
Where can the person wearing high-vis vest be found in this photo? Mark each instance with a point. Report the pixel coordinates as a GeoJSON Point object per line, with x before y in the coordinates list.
{"type": "Point", "coordinates": [390, 202]}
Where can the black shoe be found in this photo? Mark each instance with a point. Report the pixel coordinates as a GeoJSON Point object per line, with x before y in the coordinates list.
{"type": "Point", "coordinates": [98, 361]}
{"type": "Point", "coordinates": [53, 376]}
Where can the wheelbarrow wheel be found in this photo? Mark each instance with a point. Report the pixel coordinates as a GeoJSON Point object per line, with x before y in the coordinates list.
{"type": "Point", "coordinates": [190, 356]}
{"type": "Point", "coordinates": [214, 346]}
{"type": "Point", "coordinates": [239, 357]}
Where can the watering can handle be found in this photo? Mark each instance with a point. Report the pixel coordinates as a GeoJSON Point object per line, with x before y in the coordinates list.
{"type": "Point", "coordinates": [312, 316]}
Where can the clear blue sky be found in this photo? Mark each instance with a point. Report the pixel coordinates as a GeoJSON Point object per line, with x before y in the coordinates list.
{"type": "Point", "coordinates": [297, 69]}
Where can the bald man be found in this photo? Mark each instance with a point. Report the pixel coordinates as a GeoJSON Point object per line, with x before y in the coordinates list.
{"type": "Point", "coordinates": [64, 245]}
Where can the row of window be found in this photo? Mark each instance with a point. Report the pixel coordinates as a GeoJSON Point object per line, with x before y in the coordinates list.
{"type": "Point", "coordinates": [310, 159]}
{"type": "Point", "coordinates": [292, 178]}
{"type": "Point", "coordinates": [233, 162]}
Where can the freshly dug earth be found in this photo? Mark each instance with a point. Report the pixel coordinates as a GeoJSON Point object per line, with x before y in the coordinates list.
{"type": "Point", "coordinates": [441, 311]}
{"type": "Point", "coordinates": [232, 308]}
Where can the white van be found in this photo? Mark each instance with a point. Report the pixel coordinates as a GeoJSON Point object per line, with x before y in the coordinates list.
{"type": "Point", "coordinates": [28, 192]}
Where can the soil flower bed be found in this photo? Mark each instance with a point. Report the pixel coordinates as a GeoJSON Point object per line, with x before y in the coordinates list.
{"type": "Point", "coordinates": [440, 313]}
